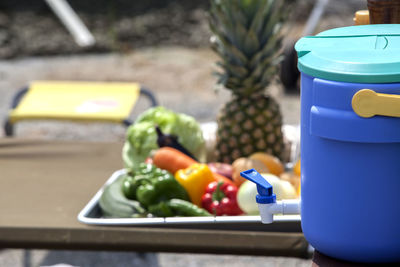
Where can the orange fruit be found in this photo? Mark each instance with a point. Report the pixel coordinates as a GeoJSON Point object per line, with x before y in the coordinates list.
{"type": "Point", "coordinates": [291, 177]}
{"type": "Point", "coordinates": [274, 164]}
{"type": "Point", "coordinates": [243, 164]}
{"type": "Point", "coordinates": [299, 190]}
{"type": "Point", "coordinates": [297, 168]}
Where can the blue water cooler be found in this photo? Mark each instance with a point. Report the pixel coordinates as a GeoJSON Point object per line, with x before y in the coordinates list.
{"type": "Point", "coordinates": [350, 142]}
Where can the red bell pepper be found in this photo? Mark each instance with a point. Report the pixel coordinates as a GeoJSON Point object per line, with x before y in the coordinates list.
{"type": "Point", "coordinates": [220, 199]}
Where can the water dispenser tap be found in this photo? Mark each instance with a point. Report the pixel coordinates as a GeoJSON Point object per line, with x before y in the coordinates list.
{"type": "Point", "coordinates": [266, 199]}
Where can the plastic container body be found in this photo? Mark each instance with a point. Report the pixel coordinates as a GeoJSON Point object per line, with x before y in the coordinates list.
{"type": "Point", "coordinates": [350, 173]}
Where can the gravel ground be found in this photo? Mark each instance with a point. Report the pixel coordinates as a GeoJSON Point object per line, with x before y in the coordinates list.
{"type": "Point", "coordinates": [33, 258]}
{"type": "Point", "coordinates": [119, 25]}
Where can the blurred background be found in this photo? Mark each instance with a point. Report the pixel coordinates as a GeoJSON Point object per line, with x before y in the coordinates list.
{"type": "Point", "coordinates": [162, 44]}
{"type": "Point", "coordinates": [30, 28]}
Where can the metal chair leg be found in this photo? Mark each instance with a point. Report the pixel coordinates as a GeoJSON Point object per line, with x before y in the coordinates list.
{"type": "Point", "coordinates": [8, 128]}
{"type": "Point", "coordinates": [150, 96]}
{"type": "Point", "coordinates": [146, 92]}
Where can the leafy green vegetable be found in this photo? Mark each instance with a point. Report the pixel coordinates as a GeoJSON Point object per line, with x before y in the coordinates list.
{"type": "Point", "coordinates": [141, 137]}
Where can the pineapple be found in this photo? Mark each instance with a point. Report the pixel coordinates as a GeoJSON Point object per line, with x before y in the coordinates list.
{"type": "Point", "coordinates": [247, 37]}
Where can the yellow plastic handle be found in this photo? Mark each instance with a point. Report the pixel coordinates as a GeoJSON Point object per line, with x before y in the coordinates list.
{"type": "Point", "coordinates": [367, 103]}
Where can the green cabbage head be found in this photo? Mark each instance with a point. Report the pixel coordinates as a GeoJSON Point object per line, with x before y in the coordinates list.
{"type": "Point", "coordinates": [141, 137]}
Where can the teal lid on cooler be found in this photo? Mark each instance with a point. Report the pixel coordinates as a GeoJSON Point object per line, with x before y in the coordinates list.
{"type": "Point", "coordinates": [360, 54]}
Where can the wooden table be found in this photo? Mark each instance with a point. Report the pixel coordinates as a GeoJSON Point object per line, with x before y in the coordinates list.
{"type": "Point", "coordinates": [45, 184]}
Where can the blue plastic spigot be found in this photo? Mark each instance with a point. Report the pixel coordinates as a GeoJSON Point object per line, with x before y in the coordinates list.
{"type": "Point", "coordinates": [265, 193]}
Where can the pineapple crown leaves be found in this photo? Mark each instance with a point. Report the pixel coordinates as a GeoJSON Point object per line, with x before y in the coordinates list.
{"type": "Point", "coordinates": [246, 36]}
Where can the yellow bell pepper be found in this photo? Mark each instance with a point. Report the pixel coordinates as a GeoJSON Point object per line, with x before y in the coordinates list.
{"type": "Point", "coordinates": [195, 179]}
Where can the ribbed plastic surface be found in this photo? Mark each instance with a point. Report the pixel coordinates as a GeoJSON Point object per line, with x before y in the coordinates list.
{"type": "Point", "coordinates": [350, 174]}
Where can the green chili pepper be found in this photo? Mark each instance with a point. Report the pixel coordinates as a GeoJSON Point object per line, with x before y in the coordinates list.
{"type": "Point", "coordinates": [161, 210]}
{"type": "Point", "coordinates": [186, 208]}
{"type": "Point", "coordinates": [177, 207]}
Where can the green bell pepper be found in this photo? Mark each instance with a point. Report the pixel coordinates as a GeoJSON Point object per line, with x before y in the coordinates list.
{"type": "Point", "coordinates": [150, 185]}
